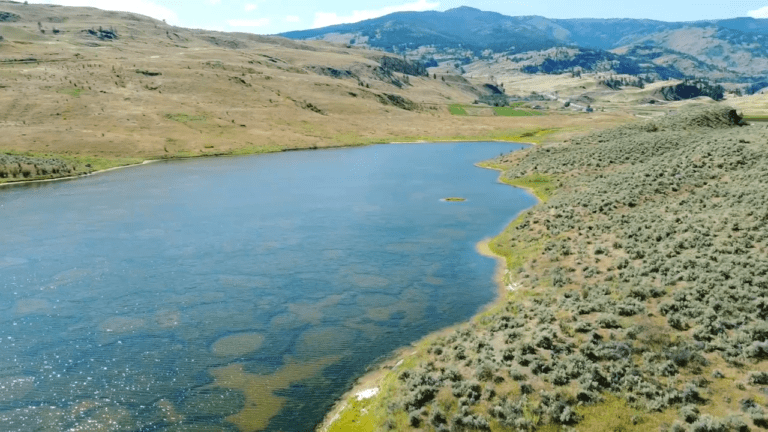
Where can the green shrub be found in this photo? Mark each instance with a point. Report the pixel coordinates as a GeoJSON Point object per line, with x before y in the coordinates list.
{"type": "Point", "coordinates": [470, 421]}
{"type": "Point", "coordinates": [545, 338]}
{"type": "Point", "coordinates": [437, 417]}
{"type": "Point", "coordinates": [485, 371]}
{"type": "Point", "coordinates": [414, 418]}
{"type": "Point", "coordinates": [708, 424]}
{"type": "Point", "coordinates": [608, 322]}
{"type": "Point", "coordinates": [630, 307]}
{"type": "Point", "coordinates": [451, 374]}
{"type": "Point", "coordinates": [468, 389]}
{"type": "Point", "coordinates": [678, 427]}
{"type": "Point", "coordinates": [677, 322]}
{"type": "Point", "coordinates": [583, 327]}
{"type": "Point", "coordinates": [758, 378]}
{"type": "Point", "coordinates": [540, 366]}
{"type": "Point", "coordinates": [758, 351]}
{"type": "Point", "coordinates": [559, 278]}
{"type": "Point", "coordinates": [561, 412]}
{"type": "Point", "coordinates": [759, 418]}
{"type": "Point", "coordinates": [417, 398]}
{"type": "Point", "coordinates": [692, 394]}
{"type": "Point", "coordinates": [517, 375]}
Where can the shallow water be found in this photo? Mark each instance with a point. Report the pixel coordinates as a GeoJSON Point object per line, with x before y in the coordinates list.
{"type": "Point", "coordinates": [237, 293]}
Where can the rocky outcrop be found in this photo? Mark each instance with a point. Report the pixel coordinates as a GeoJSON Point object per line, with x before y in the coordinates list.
{"type": "Point", "coordinates": [690, 89]}
{"type": "Point", "coordinates": [395, 64]}
{"type": "Point", "coordinates": [8, 17]}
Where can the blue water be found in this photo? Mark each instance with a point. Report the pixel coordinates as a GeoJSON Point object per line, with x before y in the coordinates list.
{"type": "Point", "coordinates": [235, 293]}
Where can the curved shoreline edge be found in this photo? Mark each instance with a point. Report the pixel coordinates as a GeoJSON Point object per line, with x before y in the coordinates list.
{"type": "Point", "coordinates": [75, 177]}
{"type": "Point", "coordinates": [268, 151]}
{"type": "Point", "coordinates": [379, 371]}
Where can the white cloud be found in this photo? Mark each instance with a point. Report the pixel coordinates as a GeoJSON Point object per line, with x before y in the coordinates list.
{"type": "Point", "coordinates": [143, 7]}
{"type": "Point", "coordinates": [261, 22]}
{"type": "Point", "coordinates": [250, 7]}
{"type": "Point", "coordinates": [759, 13]}
{"type": "Point", "coordinates": [292, 19]}
{"type": "Point", "coordinates": [324, 19]}
{"type": "Point", "coordinates": [214, 2]}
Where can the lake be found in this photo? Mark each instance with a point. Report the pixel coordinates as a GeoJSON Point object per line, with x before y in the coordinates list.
{"type": "Point", "coordinates": [239, 293]}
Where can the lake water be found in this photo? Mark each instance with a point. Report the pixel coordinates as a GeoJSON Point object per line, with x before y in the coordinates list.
{"type": "Point", "coordinates": [235, 294]}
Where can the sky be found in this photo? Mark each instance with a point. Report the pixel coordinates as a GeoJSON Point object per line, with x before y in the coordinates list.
{"type": "Point", "coordinates": [275, 16]}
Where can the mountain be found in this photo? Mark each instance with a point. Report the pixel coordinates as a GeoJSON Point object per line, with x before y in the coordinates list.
{"type": "Point", "coordinates": [732, 49]}
{"type": "Point", "coordinates": [461, 27]}
{"type": "Point", "coordinates": [478, 30]}
{"type": "Point", "coordinates": [746, 24]}
{"type": "Point", "coordinates": [725, 49]}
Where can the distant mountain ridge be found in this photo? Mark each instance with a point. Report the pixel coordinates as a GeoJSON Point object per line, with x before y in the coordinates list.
{"type": "Point", "coordinates": [478, 29]}
{"type": "Point", "coordinates": [735, 48]}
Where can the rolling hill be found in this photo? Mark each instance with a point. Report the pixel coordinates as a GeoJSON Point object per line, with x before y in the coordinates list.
{"type": "Point", "coordinates": [732, 50]}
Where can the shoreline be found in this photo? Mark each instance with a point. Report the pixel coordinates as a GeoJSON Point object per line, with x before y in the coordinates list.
{"type": "Point", "coordinates": [374, 378]}
{"type": "Point", "coordinates": [75, 177]}
{"type": "Point", "coordinates": [175, 158]}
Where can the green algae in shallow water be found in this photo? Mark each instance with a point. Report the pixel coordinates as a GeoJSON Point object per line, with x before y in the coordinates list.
{"type": "Point", "coordinates": [197, 427]}
{"type": "Point", "coordinates": [312, 312]}
{"type": "Point", "coordinates": [213, 402]}
{"type": "Point", "coordinates": [15, 387]}
{"type": "Point", "coordinates": [32, 307]}
{"type": "Point", "coordinates": [237, 345]}
{"type": "Point", "coordinates": [369, 281]}
{"type": "Point", "coordinates": [167, 318]}
{"type": "Point", "coordinates": [261, 402]}
{"type": "Point", "coordinates": [84, 416]}
{"type": "Point", "coordinates": [113, 328]}
{"type": "Point", "coordinates": [324, 341]}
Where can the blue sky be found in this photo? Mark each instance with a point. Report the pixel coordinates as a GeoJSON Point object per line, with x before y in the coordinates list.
{"type": "Point", "coordinates": [271, 16]}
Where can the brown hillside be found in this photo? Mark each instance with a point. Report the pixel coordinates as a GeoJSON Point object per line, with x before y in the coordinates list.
{"type": "Point", "coordinates": [86, 82]}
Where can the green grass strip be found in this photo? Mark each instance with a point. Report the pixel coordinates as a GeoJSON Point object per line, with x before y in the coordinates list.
{"type": "Point", "coordinates": [457, 109]}
{"type": "Point", "coordinates": [512, 112]}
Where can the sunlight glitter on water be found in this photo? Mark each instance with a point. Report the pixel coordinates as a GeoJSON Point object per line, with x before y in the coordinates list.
{"type": "Point", "coordinates": [235, 294]}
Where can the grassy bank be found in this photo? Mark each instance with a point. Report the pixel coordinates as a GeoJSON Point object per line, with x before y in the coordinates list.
{"type": "Point", "coordinates": [638, 295]}
{"type": "Point", "coordinates": [516, 110]}
{"type": "Point", "coordinates": [16, 167]}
